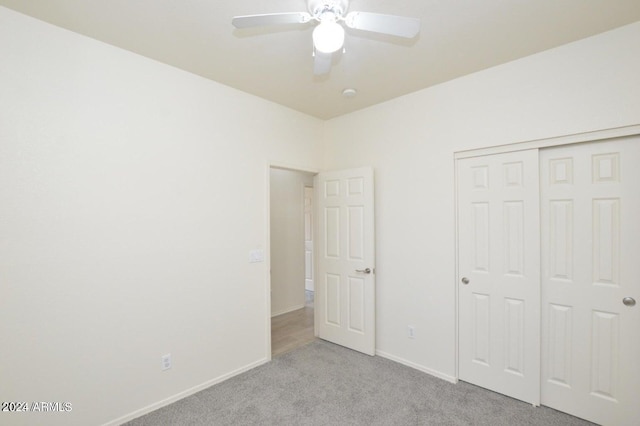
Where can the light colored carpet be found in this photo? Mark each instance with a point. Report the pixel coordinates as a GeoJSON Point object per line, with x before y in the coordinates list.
{"type": "Point", "coordinates": [325, 384]}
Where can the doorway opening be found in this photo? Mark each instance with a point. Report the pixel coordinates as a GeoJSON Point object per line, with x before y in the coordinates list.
{"type": "Point", "coordinates": [291, 260]}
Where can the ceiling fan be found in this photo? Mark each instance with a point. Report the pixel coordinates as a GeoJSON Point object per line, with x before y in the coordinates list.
{"type": "Point", "coordinates": [328, 35]}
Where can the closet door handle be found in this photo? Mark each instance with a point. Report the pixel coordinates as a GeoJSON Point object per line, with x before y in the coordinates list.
{"type": "Point", "coordinates": [629, 301]}
{"type": "Point", "coordinates": [465, 280]}
{"type": "Point", "coordinates": [364, 271]}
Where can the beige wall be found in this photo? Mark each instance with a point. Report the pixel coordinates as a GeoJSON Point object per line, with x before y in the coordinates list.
{"type": "Point", "coordinates": [588, 85]}
{"type": "Point", "coordinates": [130, 196]}
{"type": "Point", "coordinates": [287, 239]}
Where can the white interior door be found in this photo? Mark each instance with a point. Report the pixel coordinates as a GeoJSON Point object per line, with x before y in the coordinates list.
{"type": "Point", "coordinates": [591, 263]}
{"type": "Point", "coordinates": [308, 238]}
{"type": "Point", "coordinates": [499, 273]}
{"type": "Point", "coordinates": [345, 279]}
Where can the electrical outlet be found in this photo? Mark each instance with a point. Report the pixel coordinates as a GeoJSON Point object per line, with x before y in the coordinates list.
{"type": "Point", "coordinates": [411, 332]}
{"type": "Point", "coordinates": [166, 362]}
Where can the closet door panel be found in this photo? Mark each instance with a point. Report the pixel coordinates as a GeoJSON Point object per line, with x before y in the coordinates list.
{"type": "Point", "coordinates": [590, 212]}
{"type": "Point", "coordinates": [499, 281]}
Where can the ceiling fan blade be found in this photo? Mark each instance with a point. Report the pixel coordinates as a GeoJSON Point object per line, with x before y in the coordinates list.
{"type": "Point", "coordinates": [270, 19]}
{"type": "Point", "coordinates": [322, 62]}
{"type": "Point", "coordinates": [386, 24]}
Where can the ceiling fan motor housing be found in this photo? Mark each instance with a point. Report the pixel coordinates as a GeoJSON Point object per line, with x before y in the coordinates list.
{"type": "Point", "coordinates": [337, 8]}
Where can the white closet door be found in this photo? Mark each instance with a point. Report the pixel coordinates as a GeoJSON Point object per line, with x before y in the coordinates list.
{"type": "Point", "coordinates": [499, 273]}
{"type": "Point", "coordinates": [591, 263]}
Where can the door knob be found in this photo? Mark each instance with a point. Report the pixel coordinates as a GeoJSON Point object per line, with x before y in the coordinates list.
{"type": "Point", "coordinates": [364, 271]}
{"type": "Point", "coordinates": [465, 280]}
{"type": "Point", "coordinates": [629, 301]}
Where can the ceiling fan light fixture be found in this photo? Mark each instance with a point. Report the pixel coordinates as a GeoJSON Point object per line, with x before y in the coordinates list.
{"type": "Point", "coordinates": [328, 36]}
{"type": "Point", "coordinates": [329, 33]}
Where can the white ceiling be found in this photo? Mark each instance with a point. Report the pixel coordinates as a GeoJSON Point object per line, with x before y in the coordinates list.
{"type": "Point", "coordinates": [458, 37]}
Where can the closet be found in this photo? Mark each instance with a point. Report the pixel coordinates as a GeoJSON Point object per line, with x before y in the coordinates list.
{"type": "Point", "coordinates": [548, 274]}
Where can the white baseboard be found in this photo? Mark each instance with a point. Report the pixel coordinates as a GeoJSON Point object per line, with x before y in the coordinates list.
{"type": "Point", "coordinates": [418, 367]}
{"type": "Point", "coordinates": [198, 388]}
{"type": "Point", "coordinates": [184, 394]}
{"type": "Point", "coordinates": [287, 310]}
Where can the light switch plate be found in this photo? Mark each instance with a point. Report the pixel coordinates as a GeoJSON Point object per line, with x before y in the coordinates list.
{"type": "Point", "coordinates": [256, 256]}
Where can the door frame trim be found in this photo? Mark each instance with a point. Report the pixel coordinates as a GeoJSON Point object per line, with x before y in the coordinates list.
{"type": "Point", "coordinates": [575, 138]}
{"type": "Point", "coordinates": [267, 238]}
{"type": "Point", "coordinates": [313, 234]}
{"type": "Point", "coordinates": [591, 136]}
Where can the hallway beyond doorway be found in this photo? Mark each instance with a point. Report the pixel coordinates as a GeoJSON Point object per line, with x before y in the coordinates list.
{"type": "Point", "coordinates": [293, 329]}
